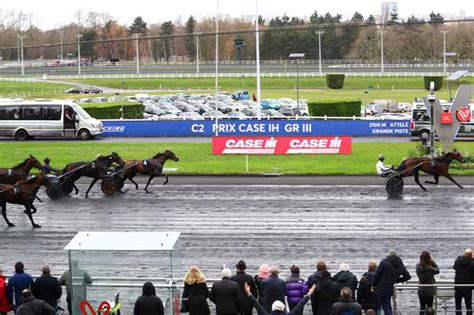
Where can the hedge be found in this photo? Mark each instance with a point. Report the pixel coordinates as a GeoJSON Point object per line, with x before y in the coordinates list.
{"type": "Point", "coordinates": [335, 81]}
{"type": "Point", "coordinates": [113, 112]}
{"type": "Point", "coordinates": [335, 108]}
{"type": "Point", "coordinates": [438, 82]}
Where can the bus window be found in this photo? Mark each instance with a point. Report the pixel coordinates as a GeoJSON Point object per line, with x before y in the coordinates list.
{"type": "Point", "coordinates": [31, 113]}
{"type": "Point", "coordinates": [51, 112]}
{"type": "Point", "coordinates": [9, 113]}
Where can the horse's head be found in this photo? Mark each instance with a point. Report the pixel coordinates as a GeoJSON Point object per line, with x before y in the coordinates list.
{"type": "Point", "coordinates": [115, 158]}
{"type": "Point", "coordinates": [171, 156]}
{"type": "Point", "coordinates": [34, 162]}
{"type": "Point", "coordinates": [36, 180]}
{"type": "Point", "coordinates": [455, 155]}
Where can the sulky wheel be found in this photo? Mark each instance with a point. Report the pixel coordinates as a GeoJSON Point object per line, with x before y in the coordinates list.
{"type": "Point", "coordinates": [394, 186]}
{"type": "Point", "coordinates": [67, 187]}
{"type": "Point", "coordinates": [54, 190]}
{"type": "Point", "coordinates": [109, 186]}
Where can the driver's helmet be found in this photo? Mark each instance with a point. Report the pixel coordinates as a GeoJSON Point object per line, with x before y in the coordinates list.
{"type": "Point", "coordinates": [47, 160]}
{"type": "Point", "coordinates": [381, 157]}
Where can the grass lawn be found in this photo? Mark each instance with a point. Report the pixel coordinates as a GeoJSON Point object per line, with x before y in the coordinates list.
{"type": "Point", "coordinates": [196, 158]}
{"type": "Point", "coordinates": [33, 89]}
{"type": "Point", "coordinates": [232, 84]}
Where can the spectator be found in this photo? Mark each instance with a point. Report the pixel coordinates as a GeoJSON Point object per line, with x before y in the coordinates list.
{"type": "Point", "coordinates": [242, 278]}
{"type": "Point", "coordinates": [316, 277]}
{"type": "Point", "coordinates": [464, 274]}
{"type": "Point", "coordinates": [296, 287]}
{"type": "Point", "coordinates": [263, 273]}
{"type": "Point", "coordinates": [366, 292]}
{"type": "Point", "coordinates": [345, 278]}
{"type": "Point", "coordinates": [148, 303]}
{"type": "Point", "coordinates": [47, 288]}
{"type": "Point", "coordinates": [32, 306]}
{"type": "Point", "coordinates": [4, 302]}
{"type": "Point", "coordinates": [278, 308]}
{"type": "Point", "coordinates": [390, 271]}
{"type": "Point", "coordinates": [346, 305]}
{"type": "Point", "coordinates": [195, 293]}
{"type": "Point", "coordinates": [425, 270]}
{"type": "Point", "coordinates": [274, 289]}
{"type": "Point", "coordinates": [325, 295]}
{"type": "Point", "coordinates": [370, 312]}
{"type": "Point", "coordinates": [79, 294]}
{"type": "Point", "coordinates": [17, 283]}
{"type": "Point", "coordinates": [226, 295]}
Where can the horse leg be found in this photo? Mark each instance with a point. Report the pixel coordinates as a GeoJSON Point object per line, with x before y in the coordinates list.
{"type": "Point", "coordinates": [166, 179]}
{"type": "Point", "coordinates": [38, 198]}
{"type": "Point", "coordinates": [34, 210]}
{"type": "Point", "coordinates": [452, 179]}
{"type": "Point", "coordinates": [417, 179]}
{"type": "Point", "coordinates": [131, 179]}
{"type": "Point", "coordinates": [149, 181]}
{"type": "Point", "coordinates": [30, 216]}
{"type": "Point", "coordinates": [4, 213]}
{"type": "Point", "coordinates": [75, 188]}
{"type": "Point", "coordinates": [90, 186]}
{"type": "Point", "coordinates": [436, 177]}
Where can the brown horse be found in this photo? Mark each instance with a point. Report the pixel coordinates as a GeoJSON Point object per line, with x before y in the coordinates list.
{"type": "Point", "coordinates": [22, 193]}
{"type": "Point", "coordinates": [20, 171]}
{"type": "Point", "coordinates": [152, 167]}
{"type": "Point", "coordinates": [439, 166]}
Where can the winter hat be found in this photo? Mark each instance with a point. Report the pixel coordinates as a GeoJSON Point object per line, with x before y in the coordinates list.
{"type": "Point", "coordinates": [278, 306]}
{"type": "Point", "coordinates": [264, 271]}
{"type": "Point", "coordinates": [344, 267]}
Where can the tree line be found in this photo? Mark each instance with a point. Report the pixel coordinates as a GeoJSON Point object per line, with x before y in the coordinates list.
{"type": "Point", "coordinates": [105, 39]}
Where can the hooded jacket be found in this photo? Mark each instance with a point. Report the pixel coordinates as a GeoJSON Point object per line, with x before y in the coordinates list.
{"type": "Point", "coordinates": [426, 276]}
{"type": "Point", "coordinates": [325, 295]}
{"type": "Point", "coordinates": [366, 292]}
{"type": "Point", "coordinates": [148, 303]}
{"type": "Point", "coordinates": [346, 279]}
{"type": "Point", "coordinates": [390, 271]}
{"type": "Point", "coordinates": [464, 267]}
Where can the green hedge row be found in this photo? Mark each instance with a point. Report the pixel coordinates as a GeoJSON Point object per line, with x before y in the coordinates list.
{"type": "Point", "coordinates": [438, 82]}
{"type": "Point", "coordinates": [335, 80]}
{"type": "Point", "coordinates": [113, 112]}
{"type": "Point", "coordinates": [335, 108]}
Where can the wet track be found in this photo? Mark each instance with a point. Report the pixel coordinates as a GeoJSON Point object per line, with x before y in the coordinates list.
{"type": "Point", "coordinates": [276, 224]}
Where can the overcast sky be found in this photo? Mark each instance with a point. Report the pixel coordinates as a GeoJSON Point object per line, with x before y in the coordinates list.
{"type": "Point", "coordinates": [50, 14]}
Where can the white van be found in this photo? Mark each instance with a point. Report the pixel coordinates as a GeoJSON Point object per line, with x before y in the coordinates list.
{"type": "Point", "coordinates": [46, 118]}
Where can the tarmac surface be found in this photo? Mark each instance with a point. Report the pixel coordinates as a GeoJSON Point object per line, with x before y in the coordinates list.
{"type": "Point", "coordinates": [281, 220]}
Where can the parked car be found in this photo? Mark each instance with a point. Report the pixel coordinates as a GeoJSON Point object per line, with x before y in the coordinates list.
{"type": "Point", "coordinates": [92, 90]}
{"type": "Point", "coordinates": [74, 90]}
{"type": "Point", "coordinates": [270, 104]}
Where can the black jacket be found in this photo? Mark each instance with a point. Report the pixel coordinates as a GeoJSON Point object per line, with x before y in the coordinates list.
{"type": "Point", "coordinates": [241, 278]}
{"type": "Point", "coordinates": [298, 309]}
{"type": "Point", "coordinates": [226, 295]}
{"type": "Point", "coordinates": [325, 295]}
{"type": "Point", "coordinates": [274, 289]}
{"type": "Point", "coordinates": [346, 307]}
{"type": "Point", "coordinates": [346, 279]}
{"type": "Point", "coordinates": [464, 267]}
{"type": "Point", "coordinates": [390, 271]}
{"type": "Point", "coordinates": [314, 279]}
{"type": "Point", "coordinates": [196, 296]}
{"type": "Point", "coordinates": [48, 289]}
{"type": "Point", "coordinates": [426, 276]}
{"type": "Point", "coordinates": [32, 306]}
{"type": "Point", "coordinates": [366, 292]}
{"type": "Point", "coordinates": [148, 303]}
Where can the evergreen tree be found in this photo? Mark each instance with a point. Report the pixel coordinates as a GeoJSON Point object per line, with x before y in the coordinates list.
{"type": "Point", "coordinates": [87, 49]}
{"type": "Point", "coordinates": [167, 29]}
{"type": "Point", "coordinates": [436, 18]}
{"type": "Point", "coordinates": [190, 40]}
{"type": "Point", "coordinates": [371, 20]}
{"type": "Point", "coordinates": [138, 26]}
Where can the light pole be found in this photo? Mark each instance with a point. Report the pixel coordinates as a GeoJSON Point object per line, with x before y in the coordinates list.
{"type": "Point", "coordinates": [444, 50]}
{"type": "Point", "coordinates": [197, 53]}
{"type": "Point", "coordinates": [257, 52]}
{"type": "Point", "coordinates": [381, 50]}
{"type": "Point", "coordinates": [61, 45]}
{"type": "Point", "coordinates": [217, 48]}
{"type": "Point", "coordinates": [296, 57]}
{"type": "Point", "coordinates": [320, 62]}
{"type": "Point", "coordinates": [138, 53]}
{"type": "Point", "coordinates": [79, 54]}
{"type": "Point", "coordinates": [22, 55]}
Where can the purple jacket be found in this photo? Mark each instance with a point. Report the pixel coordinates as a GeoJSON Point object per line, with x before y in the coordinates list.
{"type": "Point", "coordinates": [296, 288]}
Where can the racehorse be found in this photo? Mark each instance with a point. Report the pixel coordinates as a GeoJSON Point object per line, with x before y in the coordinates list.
{"type": "Point", "coordinates": [439, 166]}
{"type": "Point", "coordinates": [96, 170]}
{"type": "Point", "coordinates": [22, 193]}
{"type": "Point", "coordinates": [20, 171]}
{"type": "Point", "coordinates": [152, 167]}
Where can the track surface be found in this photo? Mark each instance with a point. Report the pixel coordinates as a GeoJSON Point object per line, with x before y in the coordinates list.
{"type": "Point", "coordinates": [274, 224]}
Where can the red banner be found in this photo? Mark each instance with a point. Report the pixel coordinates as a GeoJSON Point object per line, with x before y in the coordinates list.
{"type": "Point", "coordinates": [281, 145]}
